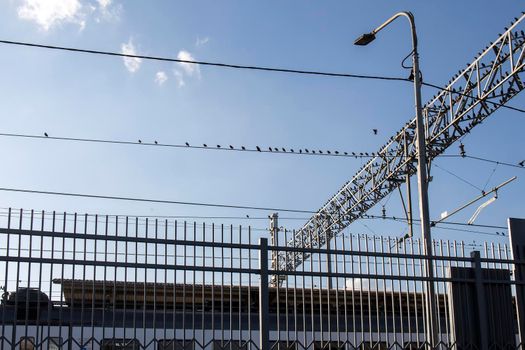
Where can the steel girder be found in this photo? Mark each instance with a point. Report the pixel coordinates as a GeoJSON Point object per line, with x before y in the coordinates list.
{"type": "Point", "coordinates": [472, 95]}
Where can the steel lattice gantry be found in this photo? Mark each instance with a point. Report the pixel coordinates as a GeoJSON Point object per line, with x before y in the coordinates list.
{"type": "Point", "coordinates": [473, 94]}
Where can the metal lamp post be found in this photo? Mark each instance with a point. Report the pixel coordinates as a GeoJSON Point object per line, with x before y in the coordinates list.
{"type": "Point", "coordinates": [422, 181]}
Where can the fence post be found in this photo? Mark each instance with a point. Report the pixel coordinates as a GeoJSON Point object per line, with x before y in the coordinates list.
{"type": "Point", "coordinates": [517, 244]}
{"type": "Point", "coordinates": [481, 301]}
{"type": "Point", "coordinates": [264, 336]}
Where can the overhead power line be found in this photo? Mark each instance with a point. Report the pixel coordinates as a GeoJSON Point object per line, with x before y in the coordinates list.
{"type": "Point", "coordinates": [275, 150]}
{"type": "Point", "coordinates": [204, 63]}
{"type": "Point", "coordinates": [148, 200]}
{"type": "Point", "coordinates": [258, 149]}
{"type": "Point", "coordinates": [247, 67]}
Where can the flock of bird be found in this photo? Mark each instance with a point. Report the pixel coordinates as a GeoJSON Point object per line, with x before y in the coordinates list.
{"type": "Point", "coordinates": [291, 150]}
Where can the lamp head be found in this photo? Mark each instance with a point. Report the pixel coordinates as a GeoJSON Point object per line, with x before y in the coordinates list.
{"type": "Point", "coordinates": [365, 39]}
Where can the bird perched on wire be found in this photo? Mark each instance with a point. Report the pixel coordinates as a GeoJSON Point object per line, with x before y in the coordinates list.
{"type": "Point", "coordinates": [462, 150]}
{"type": "Point", "coordinates": [46, 135]}
{"type": "Point", "coordinates": [140, 141]}
{"type": "Point", "coordinates": [374, 131]}
{"type": "Point", "coordinates": [522, 163]}
{"type": "Point", "coordinates": [187, 144]}
{"type": "Point", "coordinates": [258, 148]}
{"type": "Point", "coordinates": [156, 142]}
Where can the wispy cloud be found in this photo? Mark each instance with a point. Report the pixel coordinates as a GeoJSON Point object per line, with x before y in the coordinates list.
{"type": "Point", "coordinates": [190, 69]}
{"type": "Point", "coordinates": [132, 63]}
{"type": "Point", "coordinates": [179, 77]}
{"type": "Point", "coordinates": [47, 14]}
{"type": "Point", "coordinates": [108, 11]}
{"type": "Point", "coordinates": [201, 41]}
{"type": "Point", "coordinates": [161, 77]}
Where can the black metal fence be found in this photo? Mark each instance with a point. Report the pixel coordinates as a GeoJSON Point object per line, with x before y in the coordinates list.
{"type": "Point", "coordinates": [109, 282]}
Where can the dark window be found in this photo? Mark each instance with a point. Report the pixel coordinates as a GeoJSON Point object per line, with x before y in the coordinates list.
{"type": "Point", "coordinates": [120, 344]}
{"type": "Point", "coordinates": [230, 344]}
{"type": "Point", "coordinates": [284, 345]}
{"type": "Point", "coordinates": [176, 344]}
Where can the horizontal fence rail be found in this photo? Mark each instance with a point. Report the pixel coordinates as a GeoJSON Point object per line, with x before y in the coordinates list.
{"type": "Point", "coordinates": [107, 282]}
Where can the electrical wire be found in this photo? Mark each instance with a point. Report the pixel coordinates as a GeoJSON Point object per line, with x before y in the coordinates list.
{"type": "Point", "coordinates": [494, 161]}
{"type": "Point", "coordinates": [203, 63]}
{"type": "Point", "coordinates": [401, 219]}
{"type": "Point", "coordinates": [257, 149]}
{"type": "Point", "coordinates": [148, 200]}
{"type": "Point", "coordinates": [248, 67]}
{"type": "Point", "coordinates": [473, 97]}
{"type": "Point", "coordinates": [459, 178]}
{"type": "Point", "coordinates": [417, 223]}
{"type": "Point", "coordinates": [276, 150]}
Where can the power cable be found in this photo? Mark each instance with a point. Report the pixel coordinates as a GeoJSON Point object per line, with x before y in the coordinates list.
{"type": "Point", "coordinates": [203, 63]}
{"type": "Point", "coordinates": [276, 150]}
{"type": "Point", "coordinates": [161, 201]}
{"type": "Point", "coordinates": [257, 149]}
{"type": "Point", "coordinates": [401, 219]}
{"type": "Point", "coordinates": [249, 67]}
{"type": "Point", "coordinates": [473, 97]}
{"type": "Point", "coordinates": [494, 162]}
{"type": "Point", "coordinates": [459, 177]}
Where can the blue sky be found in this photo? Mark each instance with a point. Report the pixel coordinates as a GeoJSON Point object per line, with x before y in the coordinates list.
{"type": "Point", "coordinates": [80, 95]}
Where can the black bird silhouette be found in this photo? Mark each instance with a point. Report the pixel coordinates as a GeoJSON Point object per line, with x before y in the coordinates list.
{"type": "Point", "coordinates": [140, 141]}
{"type": "Point", "coordinates": [522, 163]}
{"type": "Point", "coordinates": [218, 146]}
{"type": "Point", "coordinates": [346, 153]}
{"type": "Point", "coordinates": [187, 144]}
{"type": "Point", "coordinates": [306, 150]}
{"type": "Point", "coordinates": [46, 135]}
{"type": "Point", "coordinates": [231, 147]}
{"type": "Point", "coordinates": [270, 149]}
{"type": "Point", "coordinates": [205, 145]}
{"type": "Point", "coordinates": [156, 142]}
{"type": "Point", "coordinates": [336, 152]}
{"type": "Point", "coordinates": [248, 216]}
{"type": "Point", "coordinates": [284, 150]}
{"type": "Point", "coordinates": [291, 150]}
{"type": "Point", "coordinates": [375, 131]}
{"type": "Point", "coordinates": [300, 151]}
{"type": "Point", "coordinates": [243, 148]}
{"type": "Point", "coordinates": [276, 149]}
{"type": "Point", "coordinates": [328, 152]}
{"type": "Point", "coordinates": [258, 148]}
{"type": "Point", "coordinates": [320, 151]}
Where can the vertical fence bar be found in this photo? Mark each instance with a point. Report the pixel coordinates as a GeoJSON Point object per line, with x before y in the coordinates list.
{"type": "Point", "coordinates": [517, 243]}
{"type": "Point", "coordinates": [481, 304]}
{"type": "Point", "coordinates": [264, 336]}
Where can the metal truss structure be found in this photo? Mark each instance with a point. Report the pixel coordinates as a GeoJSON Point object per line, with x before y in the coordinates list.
{"type": "Point", "coordinates": [472, 95]}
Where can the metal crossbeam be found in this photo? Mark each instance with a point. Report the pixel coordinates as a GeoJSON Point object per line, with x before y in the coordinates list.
{"type": "Point", "coordinates": [473, 94]}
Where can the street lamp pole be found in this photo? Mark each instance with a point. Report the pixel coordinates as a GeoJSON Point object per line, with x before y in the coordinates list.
{"type": "Point", "coordinates": [422, 180]}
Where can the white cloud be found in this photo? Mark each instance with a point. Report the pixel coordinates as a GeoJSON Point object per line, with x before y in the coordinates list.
{"type": "Point", "coordinates": [190, 69]}
{"type": "Point", "coordinates": [51, 13]}
{"type": "Point", "coordinates": [104, 3]}
{"type": "Point", "coordinates": [201, 42]}
{"type": "Point", "coordinates": [48, 13]}
{"type": "Point", "coordinates": [179, 77]}
{"type": "Point", "coordinates": [161, 77]}
{"type": "Point", "coordinates": [132, 63]}
{"type": "Point", "coordinates": [108, 11]}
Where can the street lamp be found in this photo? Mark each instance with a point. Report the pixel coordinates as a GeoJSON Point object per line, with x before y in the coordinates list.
{"type": "Point", "coordinates": [422, 181]}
